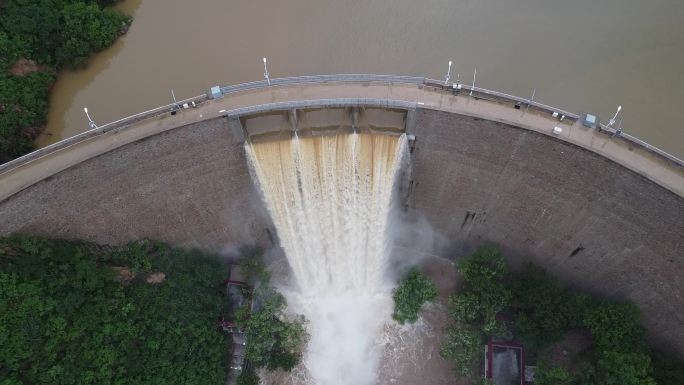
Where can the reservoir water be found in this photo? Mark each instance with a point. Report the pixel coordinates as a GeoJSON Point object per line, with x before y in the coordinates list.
{"type": "Point", "coordinates": [580, 55]}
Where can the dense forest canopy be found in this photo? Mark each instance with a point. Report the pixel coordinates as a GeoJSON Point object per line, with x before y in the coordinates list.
{"type": "Point", "coordinates": [532, 307]}
{"type": "Point", "coordinates": [38, 37]}
{"type": "Point", "coordinates": [79, 313]}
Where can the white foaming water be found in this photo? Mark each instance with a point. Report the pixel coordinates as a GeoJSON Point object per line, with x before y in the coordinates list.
{"type": "Point", "coordinates": [329, 198]}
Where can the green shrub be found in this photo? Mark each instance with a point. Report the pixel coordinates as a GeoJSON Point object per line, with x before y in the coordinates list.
{"type": "Point", "coordinates": [252, 265]}
{"type": "Point", "coordinates": [484, 292]}
{"type": "Point", "coordinates": [546, 310]}
{"type": "Point", "coordinates": [554, 375]}
{"type": "Point", "coordinates": [273, 341]}
{"type": "Point", "coordinates": [667, 369]}
{"type": "Point", "coordinates": [528, 332]}
{"type": "Point", "coordinates": [542, 298]}
{"type": "Point", "coordinates": [85, 29]}
{"type": "Point", "coordinates": [615, 326]}
{"type": "Point", "coordinates": [414, 290]}
{"type": "Point", "coordinates": [575, 307]}
{"type": "Point", "coordinates": [136, 255]}
{"type": "Point", "coordinates": [248, 377]}
{"type": "Point", "coordinates": [624, 368]}
{"type": "Point", "coordinates": [484, 266]}
{"type": "Point", "coordinates": [463, 346]}
{"type": "Point", "coordinates": [23, 106]}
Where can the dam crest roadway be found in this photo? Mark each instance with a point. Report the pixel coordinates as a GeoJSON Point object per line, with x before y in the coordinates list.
{"type": "Point", "coordinates": [388, 91]}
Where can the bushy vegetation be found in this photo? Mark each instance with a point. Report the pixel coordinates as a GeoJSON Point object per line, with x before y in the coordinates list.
{"type": "Point", "coordinates": [463, 346]}
{"type": "Point", "coordinates": [413, 291]}
{"type": "Point", "coordinates": [79, 313]}
{"type": "Point", "coordinates": [667, 369]}
{"type": "Point", "coordinates": [248, 377]}
{"type": "Point", "coordinates": [484, 293]}
{"type": "Point", "coordinates": [51, 34]}
{"type": "Point", "coordinates": [555, 375]}
{"type": "Point", "coordinates": [541, 312]}
{"type": "Point", "coordinates": [474, 309]}
{"type": "Point", "coordinates": [273, 340]}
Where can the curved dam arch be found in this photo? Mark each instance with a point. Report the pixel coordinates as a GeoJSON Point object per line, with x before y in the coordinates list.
{"type": "Point", "coordinates": [601, 212]}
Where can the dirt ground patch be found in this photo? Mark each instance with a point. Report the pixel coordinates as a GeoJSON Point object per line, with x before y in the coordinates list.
{"type": "Point", "coordinates": [32, 132]}
{"type": "Point", "coordinates": [124, 274]}
{"type": "Point", "coordinates": [25, 66]}
{"type": "Point", "coordinates": [155, 278]}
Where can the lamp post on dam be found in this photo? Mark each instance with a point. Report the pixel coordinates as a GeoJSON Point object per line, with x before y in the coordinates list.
{"type": "Point", "coordinates": [266, 75]}
{"type": "Point", "coordinates": [91, 123]}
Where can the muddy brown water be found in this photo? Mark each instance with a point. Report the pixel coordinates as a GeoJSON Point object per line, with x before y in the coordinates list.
{"type": "Point", "coordinates": [408, 354]}
{"type": "Point", "coordinates": [581, 55]}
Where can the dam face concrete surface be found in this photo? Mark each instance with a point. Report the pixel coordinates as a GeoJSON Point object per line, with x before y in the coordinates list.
{"type": "Point", "coordinates": [592, 222]}
{"type": "Point", "coordinates": [584, 218]}
{"type": "Point", "coordinates": [190, 187]}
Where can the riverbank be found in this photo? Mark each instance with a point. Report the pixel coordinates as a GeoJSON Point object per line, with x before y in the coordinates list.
{"type": "Point", "coordinates": [38, 41]}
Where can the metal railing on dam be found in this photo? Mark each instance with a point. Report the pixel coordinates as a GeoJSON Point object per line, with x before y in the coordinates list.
{"type": "Point", "coordinates": [322, 103]}
{"type": "Point", "coordinates": [413, 88]}
{"type": "Point", "coordinates": [355, 78]}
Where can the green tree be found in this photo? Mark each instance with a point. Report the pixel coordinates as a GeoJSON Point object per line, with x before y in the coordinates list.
{"type": "Point", "coordinates": [615, 326]}
{"type": "Point", "coordinates": [546, 310]}
{"type": "Point", "coordinates": [484, 266]}
{"type": "Point", "coordinates": [66, 317]}
{"type": "Point", "coordinates": [248, 377]}
{"type": "Point", "coordinates": [23, 105]}
{"type": "Point", "coordinates": [552, 375]}
{"type": "Point", "coordinates": [413, 291]}
{"type": "Point", "coordinates": [463, 346]}
{"type": "Point", "coordinates": [52, 33]}
{"type": "Point", "coordinates": [667, 369]}
{"type": "Point", "coordinates": [86, 29]}
{"type": "Point", "coordinates": [252, 265]}
{"type": "Point", "coordinates": [624, 368]}
{"type": "Point", "coordinates": [484, 292]}
{"type": "Point", "coordinates": [528, 332]}
{"type": "Point", "coordinates": [274, 341]}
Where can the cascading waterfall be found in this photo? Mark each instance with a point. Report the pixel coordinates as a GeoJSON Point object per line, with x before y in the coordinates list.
{"type": "Point", "coordinates": [329, 197]}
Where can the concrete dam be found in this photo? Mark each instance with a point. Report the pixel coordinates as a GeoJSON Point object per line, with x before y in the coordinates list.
{"type": "Point", "coordinates": [603, 212]}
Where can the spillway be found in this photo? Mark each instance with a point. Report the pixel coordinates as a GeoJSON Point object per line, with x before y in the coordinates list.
{"type": "Point", "coordinates": [329, 198]}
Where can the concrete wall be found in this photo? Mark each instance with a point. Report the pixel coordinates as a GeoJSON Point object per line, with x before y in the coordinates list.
{"type": "Point", "coordinates": [583, 217]}
{"type": "Point", "coordinates": [188, 186]}
{"type": "Point", "coordinates": [586, 219]}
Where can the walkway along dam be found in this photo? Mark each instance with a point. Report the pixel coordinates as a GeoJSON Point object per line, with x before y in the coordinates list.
{"type": "Point", "coordinates": [603, 212]}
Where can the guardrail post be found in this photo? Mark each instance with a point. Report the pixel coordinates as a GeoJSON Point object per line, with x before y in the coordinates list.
{"type": "Point", "coordinates": [473, 87]}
